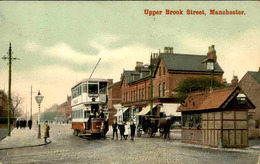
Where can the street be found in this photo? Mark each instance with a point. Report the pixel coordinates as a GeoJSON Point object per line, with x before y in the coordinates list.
{"type": "Point", "coordinates": [66, 148]}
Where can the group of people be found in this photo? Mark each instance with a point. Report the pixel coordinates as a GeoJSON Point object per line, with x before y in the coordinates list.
{"type": "Point", "coordinates": [23, 123]}
{"type": "Point", "coordinates": [124, 130]}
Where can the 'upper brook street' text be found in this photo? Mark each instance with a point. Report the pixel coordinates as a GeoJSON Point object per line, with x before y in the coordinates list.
{"type": "Point", "coordinates": [193, 12]}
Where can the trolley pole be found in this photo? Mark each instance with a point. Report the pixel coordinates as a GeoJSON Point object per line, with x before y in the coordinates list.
{"type": "Point", "coordinates": [10, 58]}
{"type": "Point", "coordinates": [151, 85]}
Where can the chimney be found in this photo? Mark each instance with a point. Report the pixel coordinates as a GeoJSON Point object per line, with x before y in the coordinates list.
{"type": "Point", "coordinates": [234, 81]}
{"type": "Point", "coordinates": [168, 50]}
{"type": "Point", "coordinates": [212, 53]}
{"type": "Point", "coordinates": [139, 66]}
{"type": "Point", "coordinates": [110, 81]}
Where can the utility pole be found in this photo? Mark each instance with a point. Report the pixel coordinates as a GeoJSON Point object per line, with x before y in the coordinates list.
{"type": "Point", "coordinates": [31, 104]}
{"type": "Point", "coordinates": [10, 58]}
{"type": "Point", "coordinates": [151, 85]}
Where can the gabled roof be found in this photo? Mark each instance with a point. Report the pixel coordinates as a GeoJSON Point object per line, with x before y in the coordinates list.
{"type": "Point", "coordinates": [187, 62]}
{"type": "Point", "coordinates": [255, 75]}
{"type": "Point", "coordinates": [127, 75]}
{"type": "Point", "coordinates": [113, 84]}
{"type": "Point", "coordinates": [206, 100]}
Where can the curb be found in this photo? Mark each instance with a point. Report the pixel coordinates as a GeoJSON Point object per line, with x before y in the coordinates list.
{"type": "Point", "coordinates": [25, 146]}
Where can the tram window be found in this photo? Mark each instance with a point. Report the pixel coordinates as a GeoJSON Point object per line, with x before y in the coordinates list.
{"type": "Point", "coordinates": [85, 88]}
{"type": "Point", "coordinates": [103, 87]}
{"type": "Point", "coordinates": [93, 89]}
{"type": "Point", "coordinates": [86, 114]}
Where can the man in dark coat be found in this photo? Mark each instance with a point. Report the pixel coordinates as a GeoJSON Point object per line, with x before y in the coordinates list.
{"type": "Point", "coordinates": [121, 128]}
{"type": "Point", "coordinates": [132, 127]}
{"type": "Point", "coordinates": [114, 126]}
{"type": "Point", "coordinates": [17, 124]}
{"type": "Point", "coordinates": [101, 114]}
{"type": "Point", "coordinates": [30, 124]}
{"type": "Point", "coordinates": [167, 128]}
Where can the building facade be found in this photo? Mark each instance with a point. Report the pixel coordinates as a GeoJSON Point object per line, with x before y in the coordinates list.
{"type": "Point", "coordinates": [169, 69]}
{"type": "Point", "coordinates": [114, 97]}
{"type": "Point", "coordinates": [3, 104]}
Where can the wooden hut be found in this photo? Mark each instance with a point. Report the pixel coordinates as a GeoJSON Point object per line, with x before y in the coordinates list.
{"type": "Point", "coordinates": [216, 118]}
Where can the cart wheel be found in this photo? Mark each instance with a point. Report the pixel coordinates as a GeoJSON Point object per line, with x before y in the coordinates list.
{"type": "Point", "coordinates": [150, 132]}
{"type": "Point", "coordinates": [139, 133]}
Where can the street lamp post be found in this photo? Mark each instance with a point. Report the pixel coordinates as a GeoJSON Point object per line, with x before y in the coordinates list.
{"type": "Point", "coordinates": [39, 99]}
{"type": "Point", "coordinates": [211, 67]}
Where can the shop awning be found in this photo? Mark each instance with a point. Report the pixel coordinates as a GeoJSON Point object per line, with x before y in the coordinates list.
{"type": "Point", "coordinates": [145, 111]}
{"type": "Point", "coordinates": [170, 109]}
{"type": "Point", "coordinates": [120, 109]}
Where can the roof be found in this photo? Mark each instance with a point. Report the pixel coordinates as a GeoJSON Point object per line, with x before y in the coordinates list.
{"type": "Point", "coordinates": [255, 75]}
{"type": "Point", "coordinates": [187, 62]}
{"type": "Point", "coordinates": [206, 100]}
{"type": "Point", "coordinates": [90, 79]}
{"type": "Point", "coordinates": [113, 84]}
{"type": "Point", "coordinates": [128, 76]}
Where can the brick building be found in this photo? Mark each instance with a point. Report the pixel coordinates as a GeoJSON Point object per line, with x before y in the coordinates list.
{"type": "Point", "coordinates": [114, 97]}
{"type": "Point", "coordinates": [169, 69]}
{"type": "Point", "coordinates": [3, 104]}
{"type": "Point", "coordinates": [250, 83]}
{"type": "Point", "coordinates": [64, 110]}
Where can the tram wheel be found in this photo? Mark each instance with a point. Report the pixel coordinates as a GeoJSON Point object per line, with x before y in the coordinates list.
{"type": "Point", "coordinates": [150, 132]}
{"type": "Point", "coordinates": [139, 133]}
{"type": "Point", "coordinates": [76, 132]}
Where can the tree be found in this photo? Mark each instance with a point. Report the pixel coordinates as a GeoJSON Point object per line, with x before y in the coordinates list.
{"type": "Point", "coordinates": [195, 84]}
{"type": "Point", "coordinates": [16, 101]}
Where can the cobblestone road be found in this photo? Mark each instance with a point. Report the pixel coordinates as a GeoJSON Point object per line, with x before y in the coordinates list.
{"type": "Point", "coordinates": [66, 148]}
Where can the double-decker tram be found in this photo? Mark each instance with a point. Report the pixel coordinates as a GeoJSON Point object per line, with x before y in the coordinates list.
{"type": "Point", "coordinates": [89, 107]}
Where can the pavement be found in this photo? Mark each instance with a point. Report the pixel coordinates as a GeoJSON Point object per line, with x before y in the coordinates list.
{"type": "Point", "coordinates": [21, 138]}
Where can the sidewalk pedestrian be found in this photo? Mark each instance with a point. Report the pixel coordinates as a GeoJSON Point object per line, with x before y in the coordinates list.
{"type": "Point", "coordinates": [121, 128]}
{"type": "Point", "coordinates": [30, 124]}
{"type": "Point", "coordinates": [132, 127]}
{"type": "Point", "coordinates": [126, 131]}
{"type": "Point", "coordinates": [46, 131]}
{"type": "Point", "coordinates": [114, 126]}
{"type": "Point", "coordinates": [102, 129]}
{"type": "Point", "coordinates": [17, 124]}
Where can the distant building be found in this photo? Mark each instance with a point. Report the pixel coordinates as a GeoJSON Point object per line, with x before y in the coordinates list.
{"type": "Point", "coordinates": [219, 117]}
{"type": "Point", "coordinates": [64, 110]}
{"type": "Point", "coordinates": [114, 97]}
{"type": "Point", "coordinates": [169, 70]}
{"type": "Point", "coordinates": [250, 84]}
{"type": "Point", "coordinates": [3, 104]}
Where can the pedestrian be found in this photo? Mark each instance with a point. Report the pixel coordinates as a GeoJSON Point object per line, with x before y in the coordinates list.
{"type": "Point", "coordinates": [114, 126]}
{"type": "Point", "coordinates": [121, 128]}
{"type": "Point", "coordinates": [126, 131]}
{"type": "Point", "coordinates": [46, 131]}
{"type": "Point", "coordinates": [101, 114]}
{"type": "Point", "coordinates": [167, 128]}
{"type": "Point", "coordinates": [17, 124]}
{"type": "Point", "coordinates": [30, 124]}
{"type": "Point", "coordinates": [132, 127]}
{"type": "Point", "coordinates": [102, 129]}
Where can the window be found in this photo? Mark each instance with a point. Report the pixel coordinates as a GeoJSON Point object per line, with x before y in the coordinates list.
{"type": "Point", "coordinates": [184, 120]}
{"type": "Point", "coordinates": [85, 89]}
{"type": "Point", "coordinates": [131, 95]}
{"type": "Point", "coordinates": [86, 114]}
{"type": "Point", "coordinates": [134, 95]}
{"type": "Point", "coordinates": [163, 70]}
{"type": "Point", "coordinates": [93, 89]}
{"type": "Point", "coordinates": [160, 90]}
{"type": "Point", "coordinates": [126, 97]}
{"type": "Point", "coordinates": [139, 94]}
{"type": "Point", "coordinates": [102, 87]}
{"type": "Point", "coordinates": [159, 71]}
{"type": "Point", "coordinates": [143, 94]}
{"type": "Point", "coordinates": [149, 91]}
{"type": "Point", "coordinates": [163, 90]}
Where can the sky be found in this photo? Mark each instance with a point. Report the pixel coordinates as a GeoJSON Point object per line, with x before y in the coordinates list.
{"type": "Point", "coordinates": [59, 43]}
